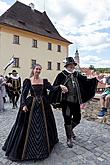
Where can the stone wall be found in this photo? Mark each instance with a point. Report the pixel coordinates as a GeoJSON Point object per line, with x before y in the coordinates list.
{"type": "Point", "coordinates": [91, 110]}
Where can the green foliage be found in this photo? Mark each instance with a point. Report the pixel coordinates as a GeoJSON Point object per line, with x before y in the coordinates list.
{"type": "Point", "coordinates": [101, 70]}
{"type": "Point", "coordinates": [91, 67]}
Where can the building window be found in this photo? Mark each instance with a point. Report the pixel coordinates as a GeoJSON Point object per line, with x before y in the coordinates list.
{"type": "Point", "coordinates": [34, 43]}
{"type": "Point", "coordinates": [58, 66]}
{"type": "Point", "coordinates": [16, 62]}
{"type": "Point", "coordinates": [58, 48]}
{"type": "Point", "coordinates": [49, 65]}
{"type": "Point", "coordinates": [15, 39]}
{"type": "Point", "coordinates": [33, 63]}
{"type": "Point", "coordinates": [49, 46]}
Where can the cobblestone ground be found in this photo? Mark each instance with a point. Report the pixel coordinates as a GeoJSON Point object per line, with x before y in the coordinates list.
{"type": "Point", "coordinates": [91, 147]}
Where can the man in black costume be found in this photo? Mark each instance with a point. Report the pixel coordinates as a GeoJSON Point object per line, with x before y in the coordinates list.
{"type": "Point", "coordinates": [79, 90]}
{"type": "Point", "coordinates": [14, 85]}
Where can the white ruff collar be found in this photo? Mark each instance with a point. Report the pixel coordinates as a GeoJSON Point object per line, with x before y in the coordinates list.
{"type": "Point", "coordinates": [69, 71]}
{"type": "Point", "coordinates": [13, 77]}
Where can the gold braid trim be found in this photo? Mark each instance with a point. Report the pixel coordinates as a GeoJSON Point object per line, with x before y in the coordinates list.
{"type": "Point", "coordinates": [16, 84]}
{"type": "Point", "coordinates": [27, 134]}
{"type": "Point", "coordinates": [45, 125]}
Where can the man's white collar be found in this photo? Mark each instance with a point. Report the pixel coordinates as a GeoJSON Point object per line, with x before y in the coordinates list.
{"type": "Point", "coordinates": [69, 71]}
{"type": "Point", "coordinates": [13, 77]}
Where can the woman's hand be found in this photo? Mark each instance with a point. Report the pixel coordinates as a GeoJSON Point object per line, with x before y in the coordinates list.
{"type": "Point", "coordinates": [64, 88]}
{"type": "Point", "coordinates": [25, 109]}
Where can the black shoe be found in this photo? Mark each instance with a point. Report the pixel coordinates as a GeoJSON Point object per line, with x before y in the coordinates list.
{"type": "Point", "coordinates": [16, 105]}
{"type": "Point", "coordinates": [73, 136]}
{"type": "Point", "coordinates": [10, 100]}
{"type": "Point", "coordinates": [69, 143]}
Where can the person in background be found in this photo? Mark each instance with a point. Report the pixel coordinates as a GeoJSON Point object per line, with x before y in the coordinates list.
{"type": "Point", "coordinates": [34, 133]}
{"type": "Point", "coordinates": [14, 85]}
{"type": "Point", "coordinates": [105, 97]}
{"type": "Point", "coordinates": [79, 90]}
{"type": "Point", "coordinates": [8, 91]}
{"type": "Point", "coordinates": [2, 92]}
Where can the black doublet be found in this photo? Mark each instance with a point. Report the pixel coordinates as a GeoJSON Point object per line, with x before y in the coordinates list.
{"type": "Point", "coordinates": [85, 87]}
{"type": "Point", "coordinates": [84, 90]}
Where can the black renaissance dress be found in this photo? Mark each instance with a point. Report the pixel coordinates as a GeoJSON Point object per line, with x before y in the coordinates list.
{"type": "Point", "coordinates": [34, 132]}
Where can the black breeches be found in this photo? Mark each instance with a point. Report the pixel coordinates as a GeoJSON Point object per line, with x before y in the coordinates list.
{"type": "Point", "coordinates": [15, 97]}
{"type": "Point", "coordinates": [71, 113]}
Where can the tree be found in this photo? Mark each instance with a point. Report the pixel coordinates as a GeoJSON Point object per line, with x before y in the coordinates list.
{"type": "Point", "coordinates": [91, 67]}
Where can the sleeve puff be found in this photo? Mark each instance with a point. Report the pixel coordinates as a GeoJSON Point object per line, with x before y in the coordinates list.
{"type": "Point", "coordinates": [49, 86]}
{"type": "Point", "coordinates": [25, 90]}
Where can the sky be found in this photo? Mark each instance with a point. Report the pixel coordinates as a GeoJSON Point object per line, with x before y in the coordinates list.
{"type": "Point", "coordinates": [86, 23]}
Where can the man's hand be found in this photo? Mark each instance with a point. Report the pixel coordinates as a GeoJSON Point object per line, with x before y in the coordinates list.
{"type": "Point", "coordinates": [9, 84]}
{"type": "Point", "coordinates": [64, 88]}
{"type": "Point", "coordinates": [107, 86]}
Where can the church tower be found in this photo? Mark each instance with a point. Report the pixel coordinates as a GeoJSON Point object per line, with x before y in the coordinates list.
{"type": "Point", "coordinates": [76, 58]}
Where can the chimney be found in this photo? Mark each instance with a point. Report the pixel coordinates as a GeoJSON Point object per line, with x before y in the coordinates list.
{"type": "Point", "coordinates": [31, 6]}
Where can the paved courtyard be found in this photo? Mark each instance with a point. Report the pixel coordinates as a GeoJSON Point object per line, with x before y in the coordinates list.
{"type": "Point", "coordinates": [91, 147]}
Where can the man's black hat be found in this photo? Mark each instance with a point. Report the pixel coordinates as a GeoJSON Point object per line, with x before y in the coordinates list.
{"type": "Point", "coordinates": [69, 60]}
{"type": "Point", "coordinates": [14, 71]}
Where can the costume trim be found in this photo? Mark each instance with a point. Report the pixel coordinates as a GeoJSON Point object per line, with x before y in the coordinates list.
{"type": "Point", "coordinates": [28, 129]}
{"type": "Point", "coordinates": [15, 77]}
{"type": "Point", "coordinates": [78, 89]}
{"type": "Point", "coordinates": [45, 125]}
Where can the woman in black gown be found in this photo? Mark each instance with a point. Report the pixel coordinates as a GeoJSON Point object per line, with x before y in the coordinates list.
{"type": "Point", "coordinates": [34, 132]}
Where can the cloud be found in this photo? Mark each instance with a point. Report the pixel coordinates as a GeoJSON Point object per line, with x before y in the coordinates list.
{"type": "Point", "coordinates": [3, 7]}
{"type": "Point", "coordinates": [86, 23]}
{"type": "Point", "coordinates": [93, 40]}
{"type": "Point", "coordinates": [96, 61]}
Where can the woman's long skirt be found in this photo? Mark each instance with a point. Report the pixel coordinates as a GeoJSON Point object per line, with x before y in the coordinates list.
{"type": "Point", "coordinates": [33, 135]}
